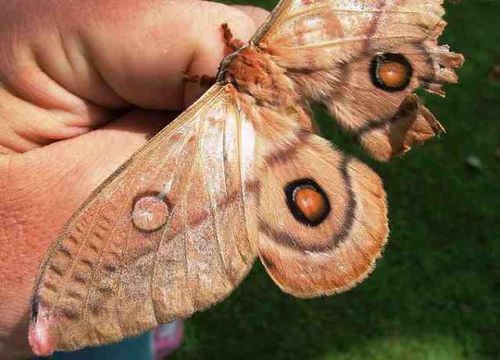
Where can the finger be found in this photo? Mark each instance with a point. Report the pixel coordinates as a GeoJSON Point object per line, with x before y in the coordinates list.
{"type": "Point", "coordinates": [76, 56]}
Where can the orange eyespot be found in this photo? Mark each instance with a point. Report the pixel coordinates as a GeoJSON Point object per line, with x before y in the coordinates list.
{"type": "Point", "coordinates": [310, 202]}
{"type": "Point", "coordinates": [391, 72]}
{"type": "Point", "coordinates": [307, 201]}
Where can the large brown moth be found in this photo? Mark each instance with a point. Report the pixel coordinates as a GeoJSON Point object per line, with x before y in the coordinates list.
{"type": "Point", "coordinates": [241, 174]}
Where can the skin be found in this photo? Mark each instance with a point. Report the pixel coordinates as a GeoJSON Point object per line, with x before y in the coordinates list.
{"type": "Point", "coordinates": [83, 84]}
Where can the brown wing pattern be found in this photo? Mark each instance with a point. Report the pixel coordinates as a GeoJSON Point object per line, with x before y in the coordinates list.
{"type": "Point", "coordinates": [330, 47]}
{"type": "Point", "coordinates": [172, 232]}
{"type": "Point", "coordinates": [322, 217]}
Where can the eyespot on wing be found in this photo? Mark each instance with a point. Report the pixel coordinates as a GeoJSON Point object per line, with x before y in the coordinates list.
{"type": "Point", "coordinates": [339, 252]}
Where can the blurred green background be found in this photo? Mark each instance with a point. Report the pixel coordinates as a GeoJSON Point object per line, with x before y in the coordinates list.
{"type": "Point", "coordinates": [436, 292]}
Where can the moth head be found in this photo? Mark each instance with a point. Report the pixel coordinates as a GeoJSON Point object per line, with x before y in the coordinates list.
{"type": "Point", "coordinates": [391, 72]}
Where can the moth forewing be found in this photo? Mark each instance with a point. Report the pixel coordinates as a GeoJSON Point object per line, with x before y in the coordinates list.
{"type": "Point", "coordinates": [168, 234]}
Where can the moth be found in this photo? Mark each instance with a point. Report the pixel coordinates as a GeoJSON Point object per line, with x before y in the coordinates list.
{"type": "Point", "coordinates": [241, 174]}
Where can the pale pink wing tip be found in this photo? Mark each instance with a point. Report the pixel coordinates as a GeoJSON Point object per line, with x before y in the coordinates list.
{"type": "Point", "coordinates": [40, 340]}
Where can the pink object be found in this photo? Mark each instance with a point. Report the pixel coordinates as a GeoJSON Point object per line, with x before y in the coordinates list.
{"type": "Point", "coordinates": [167, 338]}
{"type": "Point", "coordinates": [39, 336]}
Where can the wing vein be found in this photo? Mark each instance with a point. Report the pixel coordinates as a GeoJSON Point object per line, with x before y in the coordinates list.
{"type": "Point", "coordinates": [240, 252]}
{"type": "Point", "coordinates": [320, 8]}
{"type": "Point", "coordinates": [349, 40]}
{"type": "Point", "coordinates": [77, 256]}
{"type": "Point", "coordinates": [185, 226]}
{"type": "Point", "coordinates": [242, 180]}
{"type": "Point", "coordinates": [164, 232]}
{"type": "Point", "coordinates": [213, 205]}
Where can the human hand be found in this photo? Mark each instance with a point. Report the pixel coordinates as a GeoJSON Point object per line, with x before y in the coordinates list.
{"type": "Point", "coordinates": [82, 86]}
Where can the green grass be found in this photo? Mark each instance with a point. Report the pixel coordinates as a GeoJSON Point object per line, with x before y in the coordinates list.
{"type": "Point", "coordinates": [436, 292]}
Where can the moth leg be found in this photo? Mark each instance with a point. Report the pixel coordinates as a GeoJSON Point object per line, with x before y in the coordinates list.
{"type": "Point", "coordinates": [231, 43]}
{"type": "Point", "coordinates": [229, 40]}
{"type": "Point", "coordinates": [202, 80]}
